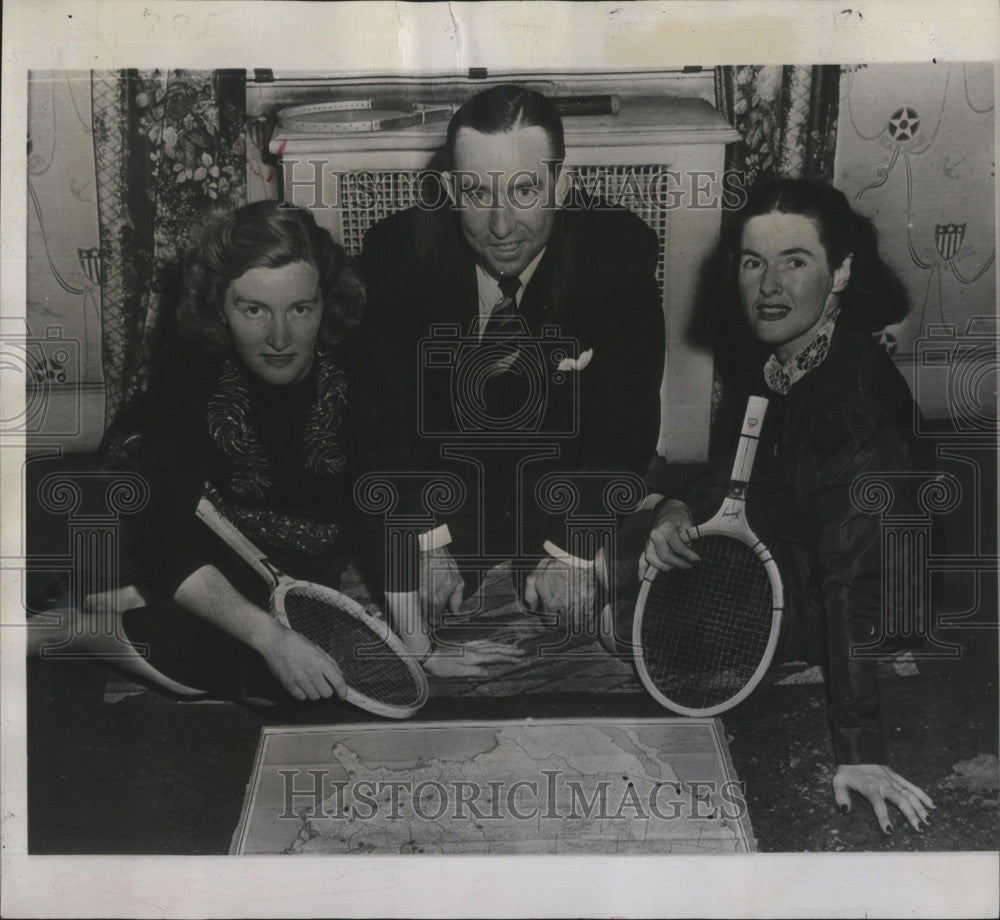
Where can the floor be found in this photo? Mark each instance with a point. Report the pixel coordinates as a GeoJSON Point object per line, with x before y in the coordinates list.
{"type": "Point", "coordinates": [114, 769]}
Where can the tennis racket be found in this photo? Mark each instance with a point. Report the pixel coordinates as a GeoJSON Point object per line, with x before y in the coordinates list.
{"type": "Point", "coordinates": [390, 114]}
{"type": "Point", "coordinates": [703, 637]}
{"type": "Point", "coordinates": [381, 675]}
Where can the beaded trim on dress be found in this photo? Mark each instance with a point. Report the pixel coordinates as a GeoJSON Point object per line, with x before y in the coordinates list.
{"type": "Point", "coordinates": [232, 432]}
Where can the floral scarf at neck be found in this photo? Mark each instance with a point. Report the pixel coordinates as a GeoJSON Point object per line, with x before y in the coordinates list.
{"type": "Point", "coordinates": [780, 376]}
{"type": "Point", "coordinates": [233, 434]}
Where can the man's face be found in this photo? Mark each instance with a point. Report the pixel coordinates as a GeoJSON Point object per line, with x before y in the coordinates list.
{"type": "Point", "coordinates": [506, 196]}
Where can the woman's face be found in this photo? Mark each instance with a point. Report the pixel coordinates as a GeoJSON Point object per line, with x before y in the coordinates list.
{"type": "Point", "coordinates": [787, 288]}
{"type": "Point", "coordinates": [273, 316]}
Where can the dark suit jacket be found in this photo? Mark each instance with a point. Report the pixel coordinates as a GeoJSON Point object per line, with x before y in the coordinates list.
{"type": "Point", "coordinates": [594, 289]}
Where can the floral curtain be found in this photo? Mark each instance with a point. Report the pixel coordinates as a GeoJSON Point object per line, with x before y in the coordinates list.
{"type": "Point", "coordinates": [786, 116]}
{"type": "Point", "coordinates": [787, 120]}
{"type": "Point", "coordinates": [168, 148]}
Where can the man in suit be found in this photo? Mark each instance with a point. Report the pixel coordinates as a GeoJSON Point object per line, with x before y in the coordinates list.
{"type": "Point", "coordinates": [515, 340]}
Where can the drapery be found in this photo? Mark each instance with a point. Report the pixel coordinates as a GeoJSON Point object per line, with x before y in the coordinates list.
{"type": "Point", "coordinates": [787, 120]}
{"type": "Point", "coordinates": [786, 116]}
{"type": "Point", "coordinates": [168, 149]}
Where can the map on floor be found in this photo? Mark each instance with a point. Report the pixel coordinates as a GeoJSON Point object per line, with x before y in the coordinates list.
{"type": "Point", "coordinates": [641, 786]}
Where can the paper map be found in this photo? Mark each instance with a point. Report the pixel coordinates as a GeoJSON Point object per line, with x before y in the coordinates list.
{"type": "Point", "coordinates": [548, 786]}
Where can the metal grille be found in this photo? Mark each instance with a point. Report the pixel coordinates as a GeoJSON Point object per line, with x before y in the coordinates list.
{"type": "Point", "coordinates": [369, 195]}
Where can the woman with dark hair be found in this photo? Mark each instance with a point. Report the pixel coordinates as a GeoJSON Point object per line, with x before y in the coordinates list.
{"type": "Point", "coordinates": [812, 288]}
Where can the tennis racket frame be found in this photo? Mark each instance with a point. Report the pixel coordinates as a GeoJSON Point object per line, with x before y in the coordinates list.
{"type": "Point", "coordinates": [729, 521]}
{"type": "Point", "coordinates": [279, 584]}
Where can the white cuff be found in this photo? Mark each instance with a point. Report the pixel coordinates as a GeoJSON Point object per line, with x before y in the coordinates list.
{"type": "Point", "coordinates": [650, 501]}
{"type": "Point", "coordinates": [434, 539]}
{"type": "Point", "coordinates": [565, 557]}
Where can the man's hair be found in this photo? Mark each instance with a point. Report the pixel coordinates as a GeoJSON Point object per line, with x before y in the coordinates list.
{"type": "Point", "coordinates": [263, 235]}
{"type": "Point", "coordinates": [502, 108]}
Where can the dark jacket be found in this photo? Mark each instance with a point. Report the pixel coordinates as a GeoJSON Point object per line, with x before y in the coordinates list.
{"type": "Point", "coordinates": [851, 415]}
{"type": "Point", "coordinates": [301, 519]}
{"type": "Point", "coordinates": [595, 288]}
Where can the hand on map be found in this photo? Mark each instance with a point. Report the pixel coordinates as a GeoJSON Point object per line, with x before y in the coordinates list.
{"type": "Point", "coordinates": [563, 589]}
{"type": "Point", "coordinates": [303, 669]}
{"type": "Point", "coordinates": [666, 550]}
{"type": "Point", "coordinates": [470, 659]}
{"type": "Point", "coordinates": [879, 784]}
{"type": "Point", "coordinates": [441, 584]}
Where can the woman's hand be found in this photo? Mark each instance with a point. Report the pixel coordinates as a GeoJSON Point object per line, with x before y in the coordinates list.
{"type": "Point", "coordinates": [470, 659]}
{"type": "Point", "coordinates": [304, 670]}
{"type": "Point", "coordinates": [666, 549]}
{"type": "Point", "coordinates": [879, 784]}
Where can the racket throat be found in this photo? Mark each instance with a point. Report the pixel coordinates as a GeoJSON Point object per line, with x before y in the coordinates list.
{"type": "Point", "coordinates": [271, 571]}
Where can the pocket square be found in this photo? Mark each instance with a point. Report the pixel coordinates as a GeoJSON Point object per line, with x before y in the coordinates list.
{"type": "Point", "coordinates": [576, 364]}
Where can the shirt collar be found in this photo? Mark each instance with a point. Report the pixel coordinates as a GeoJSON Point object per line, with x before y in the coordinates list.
{"type": "Point", "coordinates": [489, 292]}
{"type": "Point", "coordinates": [780, 376]}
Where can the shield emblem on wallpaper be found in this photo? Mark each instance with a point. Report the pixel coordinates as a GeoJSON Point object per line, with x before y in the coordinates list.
{"type": "Point", "coordinates": [90, 263]}
{"type": "Point", "coordinates": [949, 239]}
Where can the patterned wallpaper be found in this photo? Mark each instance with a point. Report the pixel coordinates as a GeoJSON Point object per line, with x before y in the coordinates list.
{"type": "Point", "coordinates": [915, 152]}
{"type": "Point", "coordinates": [63, 241]}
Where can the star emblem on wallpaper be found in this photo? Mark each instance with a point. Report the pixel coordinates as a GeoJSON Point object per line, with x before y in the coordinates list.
{"type": "Point", "coordinates": [903, 125]}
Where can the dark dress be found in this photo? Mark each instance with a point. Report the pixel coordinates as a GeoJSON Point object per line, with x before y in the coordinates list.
{"type": "Point", "coordinates": [273, 459]}
{"type": "Point", "coordinates": [850, 415]}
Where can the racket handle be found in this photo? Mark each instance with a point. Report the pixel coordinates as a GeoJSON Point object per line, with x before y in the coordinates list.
{"type": "Point", "coordinates": [753, 421]}
{"type": "Point", "coordinates": [586, 105]}
{"type": "Point", "coordinates": [226, 531]}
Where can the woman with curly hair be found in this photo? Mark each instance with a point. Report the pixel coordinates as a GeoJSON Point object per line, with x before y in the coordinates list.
{"type": "Point", "coordinates": [248, 405]}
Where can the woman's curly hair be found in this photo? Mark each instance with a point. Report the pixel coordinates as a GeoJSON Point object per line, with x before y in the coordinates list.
{"type": "Point", "coordinates": [265, 234]}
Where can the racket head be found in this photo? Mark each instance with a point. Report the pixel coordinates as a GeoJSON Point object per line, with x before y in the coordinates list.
{"type": "Point", "coordinates": [703, 638]}
{"type": "Point", "coordinates": [346, 117]}
{"type": "Point", "coordinates": [382, 677]}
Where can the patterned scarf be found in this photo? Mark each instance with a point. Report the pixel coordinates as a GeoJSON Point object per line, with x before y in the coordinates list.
{"type": "Point", "coordinates": [780, 376]}
{"type": "Point", "coordinates": [232, 432]}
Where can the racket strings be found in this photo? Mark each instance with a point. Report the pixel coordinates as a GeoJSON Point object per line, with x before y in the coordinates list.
{"type": "Point", "coordinates": [369, 664]}
{"type": "Point", "coordinates": [704, 631]}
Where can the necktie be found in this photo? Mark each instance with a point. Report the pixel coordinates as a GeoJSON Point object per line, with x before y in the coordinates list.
{"type": "Point", "coordinates": [505, 309]}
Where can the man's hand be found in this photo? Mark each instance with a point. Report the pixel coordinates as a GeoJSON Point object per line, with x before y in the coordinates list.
{"type": "Point", "coordinates": [563, 589]}
{"type": "Point", "coordinates": [879, 784]}
{"type": "Point", "coordinates": [441, 584]}
{"type": "Point", "coordinates": [666, 549]}
{"type": "Point", "coordinates": [303, 669]}
{"type": "Point", "coordinates": [470, 659]}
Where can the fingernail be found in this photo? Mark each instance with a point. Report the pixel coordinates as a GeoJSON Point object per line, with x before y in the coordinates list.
{"type": "Point", "coordinates": [888, 828]}
{"type": "Point", "coordinates": [844, 809]}
{"type": "Point", "coordinates": [927, 821]}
